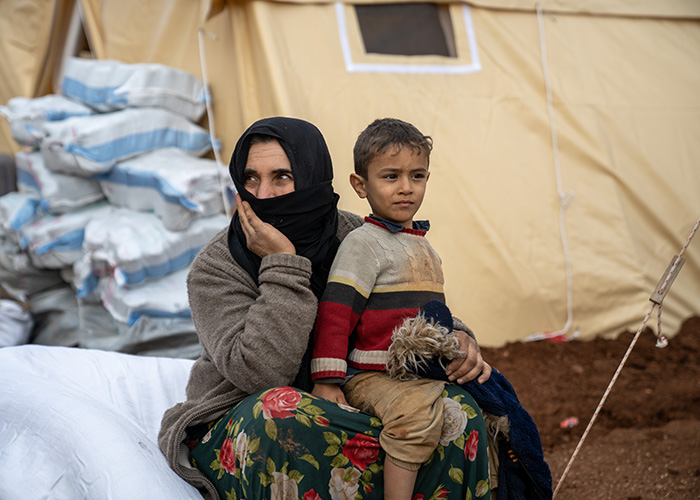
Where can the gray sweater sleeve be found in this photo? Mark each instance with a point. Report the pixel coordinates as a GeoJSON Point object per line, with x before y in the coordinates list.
{"type": "Point", "coordinates": [255, 336]}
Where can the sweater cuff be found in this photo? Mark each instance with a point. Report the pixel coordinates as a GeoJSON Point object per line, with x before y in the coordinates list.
{"type": "Point", "coordinates": [459, 325]}
{"type": "Point", "coordinates": [296, 264]}
{"type": "Point", "coordinates": [325, 368]}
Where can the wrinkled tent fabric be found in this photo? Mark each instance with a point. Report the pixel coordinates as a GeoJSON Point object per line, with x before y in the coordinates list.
{"type": "Point", "coordinates": [624, 82]}
{"type": "Point", "coordinates": [25, 29]}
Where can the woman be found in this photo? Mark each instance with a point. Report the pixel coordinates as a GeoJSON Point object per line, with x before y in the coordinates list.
{"type": "Point", "coordinates": [253, 291]}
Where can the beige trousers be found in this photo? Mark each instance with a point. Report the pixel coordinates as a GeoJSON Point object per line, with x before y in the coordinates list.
{"type": "Point", "coordinates": [411, 411]}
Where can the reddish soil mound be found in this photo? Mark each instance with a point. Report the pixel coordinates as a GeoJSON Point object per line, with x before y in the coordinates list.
{"type": "Point", "coordinates": [645, 443]}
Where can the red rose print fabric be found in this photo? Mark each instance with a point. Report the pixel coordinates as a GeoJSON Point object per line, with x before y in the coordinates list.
{"type": "Point", "coordinates": [280, 402]}
{"type": "Point", "coordinates": [283, 443]}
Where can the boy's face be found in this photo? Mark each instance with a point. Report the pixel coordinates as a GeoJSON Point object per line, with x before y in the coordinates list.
{"type": "Point", "coordinates": [395, 185]}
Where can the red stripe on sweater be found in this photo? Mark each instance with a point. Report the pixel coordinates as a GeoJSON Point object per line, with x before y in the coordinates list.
{"type": "Point", "coordinates": [374, 329]}
{"type": "Point", "coordinates": [334, 323]}
{"type": "Point", "coordinates": [376, 326]}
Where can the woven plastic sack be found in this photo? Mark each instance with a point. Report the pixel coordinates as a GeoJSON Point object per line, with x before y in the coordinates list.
{"type": "Point", "coordinates": [26, 115]}
{"type": "Point", "coordinates": [54, 242]}
{"type": "Point", "coordinates": [20, 277]}
{"type": "Point", "coordinates": [162, 298]}
{"type": "Point", "coordinates": [174, 185]}
{"type": "Point", "coordinates": [60, 193]}
{"type": "Point", "coordinates": [17, 210]}
{"type": "Point", "coordinates": [92, 145]}
{"type": "Point", "coordinates": [56, 317]}
{"type": "Point", "coordinates": [15, 323]}
{"type": "Point", "coordinates": [166, 337]}
{"type": "Point", "coordinates": [109, 85]}
{"type": "Point", "coordinates": [83, 424]}
{"type": "Point", "coordinates": [134, 247]}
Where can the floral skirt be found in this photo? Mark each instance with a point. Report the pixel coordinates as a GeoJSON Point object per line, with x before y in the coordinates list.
{"type": "Point", "coordinates": [284, 443]}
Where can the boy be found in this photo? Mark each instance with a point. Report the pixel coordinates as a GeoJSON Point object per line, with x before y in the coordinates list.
{"type": "Point", "coordinates": [384, 271]}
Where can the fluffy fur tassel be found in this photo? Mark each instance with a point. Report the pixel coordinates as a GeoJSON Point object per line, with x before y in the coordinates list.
{"type": "Point", "coordinates": [415, 342]}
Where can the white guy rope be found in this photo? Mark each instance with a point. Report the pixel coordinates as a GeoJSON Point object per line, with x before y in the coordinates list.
{"type": "Point", "coordinates": [565, 197]}
{"type": "Point", "coordinates": [661, 340]}
{"type": "Point", "coordinates": [669, 274]}
{"type": "Point", "coordinates": [221, 167]}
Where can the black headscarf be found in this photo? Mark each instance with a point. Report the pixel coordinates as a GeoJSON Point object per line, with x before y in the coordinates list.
{"type": "Point", "coordinates": [308, 216]}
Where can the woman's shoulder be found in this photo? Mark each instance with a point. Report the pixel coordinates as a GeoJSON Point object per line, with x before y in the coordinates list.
{"type": "Point", "coordinates": [216, 247]}
{"type": "Point", "coordinates": [214, 256]}
{"type": "Point", "coordinates": [347, 222]}
{"type": "Point", "coordinates": [215, 267]}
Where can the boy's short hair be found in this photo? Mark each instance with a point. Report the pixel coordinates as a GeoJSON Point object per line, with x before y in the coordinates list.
{"type": "Point", "coordinates": [384, 133]}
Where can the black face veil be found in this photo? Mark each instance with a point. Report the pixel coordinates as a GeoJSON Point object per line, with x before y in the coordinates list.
{"type": "Point", "coordinates": [308, 216]}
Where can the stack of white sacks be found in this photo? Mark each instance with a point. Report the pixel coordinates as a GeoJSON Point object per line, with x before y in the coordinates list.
{"type": "Point", "coordinates": [114, 201]}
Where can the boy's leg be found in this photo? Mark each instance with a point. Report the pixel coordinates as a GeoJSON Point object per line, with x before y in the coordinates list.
{"type": "Point", "coordinates": [398, 482]}
{"type": "Point", "coordinates": [412, 414]}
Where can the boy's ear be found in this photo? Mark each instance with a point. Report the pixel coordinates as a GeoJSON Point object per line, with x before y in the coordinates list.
{"type": "Point", "coordinates": [358, 184]}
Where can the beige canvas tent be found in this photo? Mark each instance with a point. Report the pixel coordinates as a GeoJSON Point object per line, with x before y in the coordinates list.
{"type": "Point", "coordinates": [565, 173]}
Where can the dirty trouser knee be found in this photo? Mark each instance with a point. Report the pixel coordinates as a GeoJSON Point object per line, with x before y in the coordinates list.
{"type": "Point", "coordinates": [411, 412]}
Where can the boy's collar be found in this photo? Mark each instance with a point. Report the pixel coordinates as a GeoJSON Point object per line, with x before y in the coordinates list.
{"type": "Point", "coordinates": [421, 226]}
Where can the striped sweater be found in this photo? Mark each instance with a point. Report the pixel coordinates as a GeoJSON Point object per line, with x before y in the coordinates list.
{"type": "Point", "coordinates": [378, 278]}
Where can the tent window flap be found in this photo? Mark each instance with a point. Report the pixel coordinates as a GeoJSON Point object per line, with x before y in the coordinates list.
{"type": "Point", "coordinates": [406, 29]}
{"type": "Point", "coordinates": [410, 38]}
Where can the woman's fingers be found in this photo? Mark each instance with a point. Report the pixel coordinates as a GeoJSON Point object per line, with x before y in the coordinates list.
{"type": "Point", "coordinates": [467, 369]}
{"type": "Point", "coordinates": [240, 212]}
{"type": "Point", "coordinates": [485, 373]}
{"type": "Point", "coordinates": [261, 238]}
{"type": "Point", "coordinates": [470, 366]}
{"type": "Point", "coordinates": [246, 215]}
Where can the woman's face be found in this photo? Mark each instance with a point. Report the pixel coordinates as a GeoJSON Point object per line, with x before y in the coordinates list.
{"type": "Point", "coordinates": [267, 172]}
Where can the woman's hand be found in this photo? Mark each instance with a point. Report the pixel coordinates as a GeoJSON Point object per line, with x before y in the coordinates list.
{"type": "Point", "coordinates": [330, 392]}
{"type": "Point", "coordinates": [471, 366]}
{"type": "Point", "coordinates": [262, 238]}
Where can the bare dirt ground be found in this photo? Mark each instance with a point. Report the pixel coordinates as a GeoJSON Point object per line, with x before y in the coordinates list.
{"type": "Point", "coordinates": [645, 443]}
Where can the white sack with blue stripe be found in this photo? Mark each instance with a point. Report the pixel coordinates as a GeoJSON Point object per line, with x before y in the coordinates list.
{"type": "Point", "coordinates": [26, 115]}
{"type": "Point", "coordinates": [59, 193]}
{"type": "Point", "coordinates": [17, 210]}
{"type": "Point", "coordinates": [134, 247]}
{"type": "Point", "coordinates": [109, 85]}
{"type": "Point", "coordinates": [56, 241]}
{"type": "Point", "coordinates": [175, 186]}
{"type": "Point", "coordinates": [162, 298]}
{"type": "Point", "coordinates": [92, 145]}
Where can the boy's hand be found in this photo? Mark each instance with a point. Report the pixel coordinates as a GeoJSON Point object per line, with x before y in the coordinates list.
{"type": "Point", "coordinates": [471, 366]}
{"type": "Point", "coordinates": [331, 392]}
{"type": "Point", "coordinates": [262, 238]}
